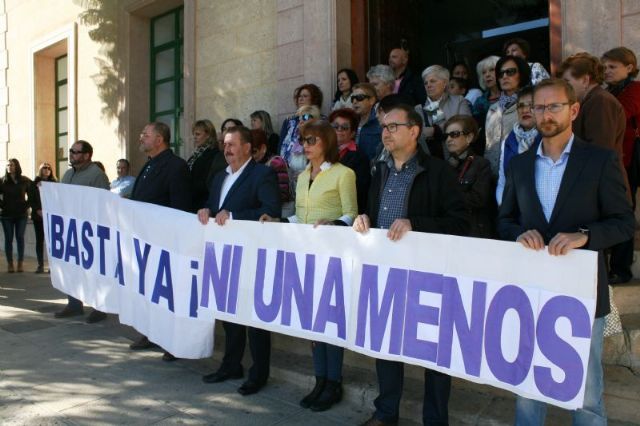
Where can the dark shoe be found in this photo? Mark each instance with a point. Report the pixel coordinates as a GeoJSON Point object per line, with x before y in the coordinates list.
{"type": "Point", "coordinates": [168, 357]}
{"type": "Point", "coordinates": [10, 268]}
{"type": "Point", "coordinates": [68, 312]}
{"type": "Point", "coordinates": [221, 376]}
{"type": "Point", "coordinates": [332, 394]}
{"type": "Point", "coordinates": [377, 422]}
{"type": "Point", "coordinates": [20, 266]}
{"type": "Point", "coordinates": [315, 393]}
{"type": "Point", "coordinates": [40, 269]}
{"type": "Point", "coordinates": [249, 388]}
{"type": "Point", "coordinates": [96, 316]}
{"type": "Point", "coordinates": [618, 279]}
{"type": "Point", "coordinates": [141, 344]}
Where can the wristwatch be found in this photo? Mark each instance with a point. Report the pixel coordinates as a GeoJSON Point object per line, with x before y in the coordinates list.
{"type": "Point", "coordinates": [585, 231]}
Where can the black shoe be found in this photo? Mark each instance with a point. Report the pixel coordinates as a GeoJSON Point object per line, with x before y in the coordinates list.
{"type": "Point", "coordinates": [96, 316]}
{"type": "Point", "coordinates": [221, 376]}
{"type": "Point", "coordinates": [141, 344]}
{"type": "Point", "coordinates": [619, 279]}
{"type": "Point", "coordinates": [168, 357]}
{"type": "Point", "coordinates": [315, 393]}
{"type": "Point", "coordinates": [373, 421]}
{"type": "Point", "coordinates": [40, 269]}
{"type": "Point", "coordinates": [332, 394]}
{"type": "Point", "coordinates": [249, 388]}
{"type": "Point", "coordinates": [68, 312]}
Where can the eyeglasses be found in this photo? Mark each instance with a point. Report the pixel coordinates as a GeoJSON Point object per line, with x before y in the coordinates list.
{"type": "Point", "coordinates": [310, 140]}
{"type": "Point", "coordinates": [343, 127]}
{"type": "Point", "coordinates": [456, 134]}
{"type": "Point", "coordinates": [359, 98]}
{"type": "Point", "coordinates": [74, 152]}
{"type": "Point", "coordinates": [393, 127]}
{"type": "Point", "coordinates": [46, 167]}
{"type": "Point", "coordinates": [525, 106]}
{"type": "Point", "coordinates": [508, 71]}
{"type": "Point", "coordinates": [552, 108]}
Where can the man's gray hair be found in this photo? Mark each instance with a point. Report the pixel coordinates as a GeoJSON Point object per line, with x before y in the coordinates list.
{"type": "Point", "coordinates": [487, 63]}
{"type": "Point", "coordinates": [383, 72]}
{"type": "Point", "coordinates": [440, 72]}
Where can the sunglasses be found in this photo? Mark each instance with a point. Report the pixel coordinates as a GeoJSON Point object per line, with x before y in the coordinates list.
{"type": "Point", "coordinates": [455, 134]}
{"type": "Point", "coordinates": [73, 151]}
{"type": "Point", "coordinates": [46, 167]}
{"type": "Point", "coordinates": [359, 98]}
{"type": "Point", "coordinates": [509, 71]}
{"type": "Point", "coordinates": [310, 140]}
{"type": "Point", "coordinates": [343, 127]}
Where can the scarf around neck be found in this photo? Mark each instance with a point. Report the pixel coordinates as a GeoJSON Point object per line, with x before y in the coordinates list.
{"type": "Point", "coordinates": [506, 101]}
{"type": "Point", "coordinates": [525, 138]}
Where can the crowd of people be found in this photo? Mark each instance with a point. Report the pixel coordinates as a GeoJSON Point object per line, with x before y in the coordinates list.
{"type": "Point", "coordinates": [519, 156]}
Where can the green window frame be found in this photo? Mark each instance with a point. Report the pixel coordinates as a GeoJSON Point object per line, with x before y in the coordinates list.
{"type": "Point", "coordinates": [167, 74]}
{"type": "Point", "coordinates": [61, 114]}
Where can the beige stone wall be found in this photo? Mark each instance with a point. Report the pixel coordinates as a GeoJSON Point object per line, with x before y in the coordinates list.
{"type": "Point", "coordinates": [596, 26]}
{"type": "Point", "coordinates": [235, 59]}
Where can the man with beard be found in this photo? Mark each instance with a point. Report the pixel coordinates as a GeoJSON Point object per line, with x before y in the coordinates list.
{"type": "Point", "coordinates": [576, 199]}
{"type": "Point", "coordinates": [86, 173]}
{"type": "Point", "coordinates": [164, 180]}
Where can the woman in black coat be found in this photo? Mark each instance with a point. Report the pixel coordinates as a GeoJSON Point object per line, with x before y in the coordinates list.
{"type": "Point", "coordinates": [45, 174]}
{"type": "Point", "coordinates": [206, 148]}
{"type": "Point", "coordinates": [473, 174]}
{"type": "Point", "coordinates": [14, 188]}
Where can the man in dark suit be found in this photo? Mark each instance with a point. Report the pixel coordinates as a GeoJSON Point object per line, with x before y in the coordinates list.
{"type": "Point", "coordinates": [567, 194]}
{"type": "Point", "coordinates": [245, 190]}
{"type": "Point", "coordinates": [164, 180]}
{"type": "Point", "coordinates": [411, 191]}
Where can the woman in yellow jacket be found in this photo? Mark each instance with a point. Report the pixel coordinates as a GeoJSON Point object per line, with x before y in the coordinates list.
{"type": "Point", "coordinates": [325, 195]}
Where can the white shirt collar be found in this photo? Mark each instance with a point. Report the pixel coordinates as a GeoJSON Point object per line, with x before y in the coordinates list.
{"type": "Point", "coordinates": [324, 166]}
{"type": "Point", "coordinates": [230, 172]}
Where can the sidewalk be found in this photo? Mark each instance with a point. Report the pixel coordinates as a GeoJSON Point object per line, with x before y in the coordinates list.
{"type": "Point", "coordinates": [67, 372]}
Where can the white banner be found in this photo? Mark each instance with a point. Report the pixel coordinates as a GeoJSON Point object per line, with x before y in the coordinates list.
{"type": "Point", "coordinates": [488, 311]}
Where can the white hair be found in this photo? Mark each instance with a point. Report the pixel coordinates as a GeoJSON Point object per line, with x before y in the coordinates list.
{"type": "Point", "coordinates": [439, 71]}
{"type": "Point", "coordinates": [487, 63]}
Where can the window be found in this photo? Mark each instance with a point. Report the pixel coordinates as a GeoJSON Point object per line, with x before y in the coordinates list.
{"type": "Point", "coordinates": [61, 115]}
{"type": "Point", "coordinates": [166, 73]}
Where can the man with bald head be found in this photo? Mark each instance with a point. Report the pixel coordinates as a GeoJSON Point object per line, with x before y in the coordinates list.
{"type": "Point", "coordinates": [407, 83]}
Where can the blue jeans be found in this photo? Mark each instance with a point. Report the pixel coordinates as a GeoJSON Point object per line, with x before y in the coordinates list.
{"type": "Point", "coordinates": [14, 226]}
{"type": "Point", "coordinates": [327, 360]}
{"type": "Point", "coordinates": [532, 412]}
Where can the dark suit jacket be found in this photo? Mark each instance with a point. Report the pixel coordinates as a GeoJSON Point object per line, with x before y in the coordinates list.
{"type": "Point", "coordinates": [412, 86]}
{"type": "Point", "coordinates": [254, 193]}
{"type": "Point", "coordinates": [592, 194]}
{"type": "Point", "coordinates": [164, 180]}
{"type": "Point", "coordinates": [199, 175]}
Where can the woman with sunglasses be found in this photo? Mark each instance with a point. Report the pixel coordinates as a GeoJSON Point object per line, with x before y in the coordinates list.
{"type": "Point", "coordinates": [14, 189]}
{"type": "Point", "coordinates": [512, 73]}
{"type": "Point", "coordinates": [45, 174]}
{"type": "Point", "coordinates": [473, 174]}
{"type": "Point", "coordinates": [326, 195]}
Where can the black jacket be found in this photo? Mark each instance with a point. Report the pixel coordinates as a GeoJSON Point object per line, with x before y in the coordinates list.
{"type": "Point", "coordinates": [14, 197]}
{"type": "Point", "coordinates": [412, 86]}
{"type": "Point", "coordinates": [592, 195]}
{"type": "Point", "coordinates": [434, 203]}
{"type": "Point", "coordinates": [199, 178]}
{"type": "Point", "coordinates": [359, 163]}
{"type": "Point", "coordinates": [164, 180]}
{"type": "Point", "coordinates": [35, 202]}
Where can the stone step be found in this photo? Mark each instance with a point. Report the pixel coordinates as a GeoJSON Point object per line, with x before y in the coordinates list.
{"type": "Point", "coordinates": [627, 297]}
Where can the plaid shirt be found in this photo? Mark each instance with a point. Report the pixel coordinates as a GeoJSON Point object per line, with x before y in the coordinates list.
{"type": "Point", "coordinates": [396, 189]}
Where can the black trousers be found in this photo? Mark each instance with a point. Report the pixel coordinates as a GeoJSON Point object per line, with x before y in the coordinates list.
{"type": "Point", "coordinates": [437, 388]}
{"type": "Point", "coordinates": [259, 345]}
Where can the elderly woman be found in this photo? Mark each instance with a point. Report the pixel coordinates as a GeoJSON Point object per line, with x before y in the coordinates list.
{"type": "Point", "coordinates": [199, 163]}
{"type": "Point", "coordinates": [513, 74]}
{"type": "Point", "coordinates": [437, 109]}
{"type": "Point", "coordinates": [262, 120]}
{"type": "Point", "coordinates": [14, 189]}
{"type": "Point", "coordinates": [520, 48]}
{"type": "Point", "coordinates": [347, 78]}
{"type": "Point", "coordinates": [326, 194]}
{"type": "Point", "coordinates": [474, 174]}
{"type": "Point", "coordinates": [620, 71]}
{"type": "Point", "coordinates": [382, 78]}
{"type": "Point", "coordinates": [486, 70]}
{"type": "Point", "coordinates": [345, 123]}
{"type": "Point", "coordinates": [45, 174]}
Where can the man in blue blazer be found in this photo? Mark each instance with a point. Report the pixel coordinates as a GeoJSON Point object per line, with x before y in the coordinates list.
{"type": "Point", "coordinates": [245, 190]}
{"type": "Point", "coordinates": [567, 194]}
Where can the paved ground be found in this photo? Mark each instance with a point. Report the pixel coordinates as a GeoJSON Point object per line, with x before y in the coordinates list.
{"type": "Point", "coordinates": [67, 372]}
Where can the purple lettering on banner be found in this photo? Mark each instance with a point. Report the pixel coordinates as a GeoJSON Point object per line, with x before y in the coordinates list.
{"type": "Point", "coordinates": [333, 282]}
{"type": "Point", "coordinates": [72, 248]}
{"type": "Point", "coordinates": [103, 234]}
{"type": "Point", "coordinates": [142, 259]}
{"type": "Point", "coordinates": [236, 266]}
{"type": "Point", "coordinates": [509, 297]}
{"type": "Point", "coordinates": [119, 274]}
{"type": "Point", "coordinates": [163, 276]}
{"type": "Point", "coordinates": [57, 231]}
{"type": "Point", "coordinates": [292, 286]}
{"type": "Point", "coordinates": [87, 247]}
{"type": "Point", "coordinates": [416, 313]}
{"type": "Point", "coordinates": [469, 333]}
{"type": "Point", "coordinates": [394, 295]}
{"type": "Point", "coordinates": [558, 351]}
{"type": "Point", "coordinates": [193, 301]}
{"type": "Point", "coordinates": [218, 278]}
{"type": "Point", "coordinates": [268, 312]}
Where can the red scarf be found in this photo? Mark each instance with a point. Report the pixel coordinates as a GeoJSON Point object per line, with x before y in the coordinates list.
{"type": "Point", "coordinates": [351, 146]}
